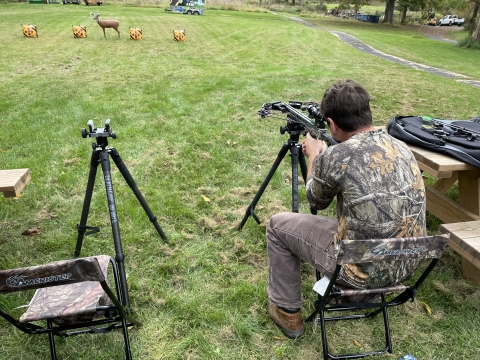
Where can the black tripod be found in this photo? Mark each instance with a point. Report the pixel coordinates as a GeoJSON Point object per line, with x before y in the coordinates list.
{"type": "Point", "coordinates": [100, 154]}
{"type": "Point", "coordinates": [295, 130]}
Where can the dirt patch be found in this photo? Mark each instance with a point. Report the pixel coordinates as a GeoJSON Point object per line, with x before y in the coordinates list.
{"type": "Point", "coordinates": [435, 32]}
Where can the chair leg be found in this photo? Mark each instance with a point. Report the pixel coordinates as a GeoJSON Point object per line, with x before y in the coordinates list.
{"type": "Point", "coordinates": [51, 338]}
{"type": "Point", "coordinates": [324, 334]}
{"type": "Point", "coordinates": [388, 339]}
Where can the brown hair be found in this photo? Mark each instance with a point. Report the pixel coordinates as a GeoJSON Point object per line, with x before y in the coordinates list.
{"type": "Point", "coordinates": [347, 103]}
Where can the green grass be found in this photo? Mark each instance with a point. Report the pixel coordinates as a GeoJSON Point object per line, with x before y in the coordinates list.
{"type": "Point", "coordinates": [185, 116]}
{"type": "Point", "coordinates": [409, 43]}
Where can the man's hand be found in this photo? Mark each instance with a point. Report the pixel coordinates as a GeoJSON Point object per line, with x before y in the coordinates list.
{"type": "Point", "coordinates": [312, 147]}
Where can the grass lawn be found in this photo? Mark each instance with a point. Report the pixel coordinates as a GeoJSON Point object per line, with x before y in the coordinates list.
{"type": "Point", "coordinates": [187, 129]}
{"type": "Point", "coordinates": [409, 43]}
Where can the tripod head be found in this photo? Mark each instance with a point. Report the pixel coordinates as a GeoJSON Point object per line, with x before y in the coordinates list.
{"type": "Point", "coordinates": [101, 135]}
{"type": "Point", "coordinates": [294, 129]}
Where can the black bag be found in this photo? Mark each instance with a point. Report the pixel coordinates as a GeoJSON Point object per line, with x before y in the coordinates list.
{"type": "Point", "coordinates": [458, 138]}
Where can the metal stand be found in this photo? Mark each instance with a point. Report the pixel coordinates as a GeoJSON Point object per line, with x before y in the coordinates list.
{"type": "Point", "coordinates": [100, 154]}
{"type": "Point", "coordinates": [298, 158]}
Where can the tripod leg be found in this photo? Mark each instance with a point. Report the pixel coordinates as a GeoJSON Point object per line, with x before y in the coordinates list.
{"type": "Point", "coordinates": [295, 150]}
{"type": "Point", "coordinates": [82, 226]}
{"type": "Point", "coordinates": [304, 169]}
{"type": "Point", "coordinates": [251, 208]}
{"type": "Point", "coordinates": [119, 257]}
{"type": "Point", "coordinates": [129, 179]}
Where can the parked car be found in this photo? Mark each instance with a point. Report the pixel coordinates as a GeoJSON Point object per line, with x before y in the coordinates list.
{"type": "Point", "coordinates": [93, 2]}
{"type": "Point", "coordinates": [451, 20]}
{"type": "Point", "coordinates": [65, 2]}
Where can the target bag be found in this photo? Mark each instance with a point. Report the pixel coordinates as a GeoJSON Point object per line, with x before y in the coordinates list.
{"type": "Point", "coordinates": [79, 31]}
{"type": "Point", "coordinates": [135, 34]}
{"type": "Point", "coordinates": [457, 138]}
{"type": "Point", "coordinates": [179, 35]}
{"type": "Point", "coordinates": [29, 30]}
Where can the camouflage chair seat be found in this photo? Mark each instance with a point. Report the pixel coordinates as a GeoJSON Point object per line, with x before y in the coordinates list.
{"type": "Point", "coordinates": [364, 303]}
{"type": "Point", "coordinates": [72, 294]}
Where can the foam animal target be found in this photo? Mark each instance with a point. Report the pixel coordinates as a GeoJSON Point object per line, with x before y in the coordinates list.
{"type": "Point", "coordinates": [135, 34]}
{"type": "Point", "coordinates": [30, 30]}
{"type": "Point", "coordinates": [79, 31]}
{"type": "Point", "coordinates": [179, 35]}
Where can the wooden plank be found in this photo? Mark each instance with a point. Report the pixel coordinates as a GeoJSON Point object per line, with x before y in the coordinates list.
{"type": "Point", "coordinates": [13, 181]}
{"type": "Point", "coordinates": [465, 239]}
{"type": "Point", "coordinates": [446, 209]}
{"type": "Point", "coordinates": [466, 235]}
{"type": "Point", "coordinates": [468, 190]}
{"type": "Point", "coordinates": [443, 185]}
{"type": "Point", "coordinates": [470, 272]}
{"type": "Point", "coordinates": [437, 161]}
{"type": "Point", "coordinates": [434, 173]}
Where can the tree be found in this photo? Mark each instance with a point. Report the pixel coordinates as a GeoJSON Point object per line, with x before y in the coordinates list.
{"type": "Point", "coordinates": [425, 6]}
{"type": "Point", "coordinates": [403, 4]}
{"type": "Point", "coordinates": [357, 4]}
{"type": "Point", "coordinates": [472, 23]}
{"type": "Point", "coordinates": [389, 7]}
{"type": "Point", "coordinates": [477, 33]}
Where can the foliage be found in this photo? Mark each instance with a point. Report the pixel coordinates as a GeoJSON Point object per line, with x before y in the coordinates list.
{"type": "Point", "coordinates": [356, 5]}
{"type": "Point", "coordinates": [469, 42]}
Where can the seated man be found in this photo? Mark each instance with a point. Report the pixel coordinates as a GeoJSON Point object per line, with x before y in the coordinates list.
{"type": "Point", "coordinates": [380, 194]}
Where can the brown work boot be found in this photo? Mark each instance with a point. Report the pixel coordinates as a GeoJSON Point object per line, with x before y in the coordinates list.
{"type": "Point", "coordinates": [291, 324]}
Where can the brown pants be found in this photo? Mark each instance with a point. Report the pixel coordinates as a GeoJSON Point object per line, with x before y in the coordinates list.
{"type": "Point", "coordinates": [291, 237]}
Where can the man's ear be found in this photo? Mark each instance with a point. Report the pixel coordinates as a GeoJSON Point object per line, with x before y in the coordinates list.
{"type": "Point", "coordinates": [333, 127]}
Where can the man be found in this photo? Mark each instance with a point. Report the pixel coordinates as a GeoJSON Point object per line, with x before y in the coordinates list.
{"type": "Point", "coordinates": [380, 194]}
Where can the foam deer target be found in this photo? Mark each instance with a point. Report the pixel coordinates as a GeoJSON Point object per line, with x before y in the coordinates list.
{"type": "Point", "coordinates": [106, 24]}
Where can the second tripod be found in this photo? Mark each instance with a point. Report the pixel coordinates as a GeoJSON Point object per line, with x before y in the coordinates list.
{"type": "Point", "coordinates": [295, 148]}
{"type": "Point", "coordinates": [100, 155]}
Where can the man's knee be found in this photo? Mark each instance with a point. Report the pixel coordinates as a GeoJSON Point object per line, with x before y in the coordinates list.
{"type": "Point", "coordinates": [279, 218]}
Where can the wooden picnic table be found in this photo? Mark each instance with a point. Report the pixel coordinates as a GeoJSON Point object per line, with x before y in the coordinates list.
{"type": "Point", "coordinates": [13, 181]}
{"type": "Point", "coordinates": [448, 170]}
{"type": "Point", "coordinates": [461, 217]}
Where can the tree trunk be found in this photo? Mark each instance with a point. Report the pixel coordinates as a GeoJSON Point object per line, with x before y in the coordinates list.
{"type": "Point", "coordinates": [321, 5]}
{"type": "Point", "coordinates": [293, 2]}
{"type": "Point", "coordinates": [404, 14]}
{"type": "Point", "coordinates": [477, 32]}
{"type": "Point", "coordinates": [389, 7]}
{"type": "Point", "coordinates": [474, 17]}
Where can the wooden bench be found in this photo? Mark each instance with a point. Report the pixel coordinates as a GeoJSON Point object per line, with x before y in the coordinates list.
{"type": "Point", "coordinates": [13, 181]}
{"type": "Point", "coordinates": [465, 239]}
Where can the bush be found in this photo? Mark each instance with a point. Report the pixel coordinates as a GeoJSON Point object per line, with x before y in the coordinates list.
{"type": "Point", "coordinates": [469, 42]}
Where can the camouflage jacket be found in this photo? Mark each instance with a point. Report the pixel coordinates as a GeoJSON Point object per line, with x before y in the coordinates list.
{"type": "Point", "coordinates": [380, 194]}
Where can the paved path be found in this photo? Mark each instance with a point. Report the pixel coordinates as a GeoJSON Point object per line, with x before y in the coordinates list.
{"type": "Point", "coordinates": [359, 45]}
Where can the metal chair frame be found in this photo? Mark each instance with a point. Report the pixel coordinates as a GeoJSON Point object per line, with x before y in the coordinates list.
{"type": "Point", "coordinates": [354, 252]}
{"type": "Point", "coordinates": [114, 316]}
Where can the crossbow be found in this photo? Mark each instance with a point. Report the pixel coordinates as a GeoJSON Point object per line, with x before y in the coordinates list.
{"type": "Point", "coordinates": [314, 123]}
{"type": "Point", "coordinates": [444, 129]}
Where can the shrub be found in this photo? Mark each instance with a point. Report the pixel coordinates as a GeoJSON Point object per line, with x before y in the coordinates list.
{"type": "Point", "coordinates": [469, 42]}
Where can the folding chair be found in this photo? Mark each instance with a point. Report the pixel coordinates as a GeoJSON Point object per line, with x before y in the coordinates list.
{"type": "Point", "coordinates": [366, 251]}
{"type": "Point", "coordinates": [72, 297]}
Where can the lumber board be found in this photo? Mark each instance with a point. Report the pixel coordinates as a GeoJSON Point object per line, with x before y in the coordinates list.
{"type": "Point", "coordinates": [13, 181]}
{"type": "Point", "coordinates": [465, 240]}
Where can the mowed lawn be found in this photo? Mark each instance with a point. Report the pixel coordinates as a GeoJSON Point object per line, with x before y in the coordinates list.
{"type": "Point", "coordinates": [185, 114]}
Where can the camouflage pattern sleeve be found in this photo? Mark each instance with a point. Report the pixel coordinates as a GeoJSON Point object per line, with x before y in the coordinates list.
{"type": "Point", "coordinates": [322, 185]}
